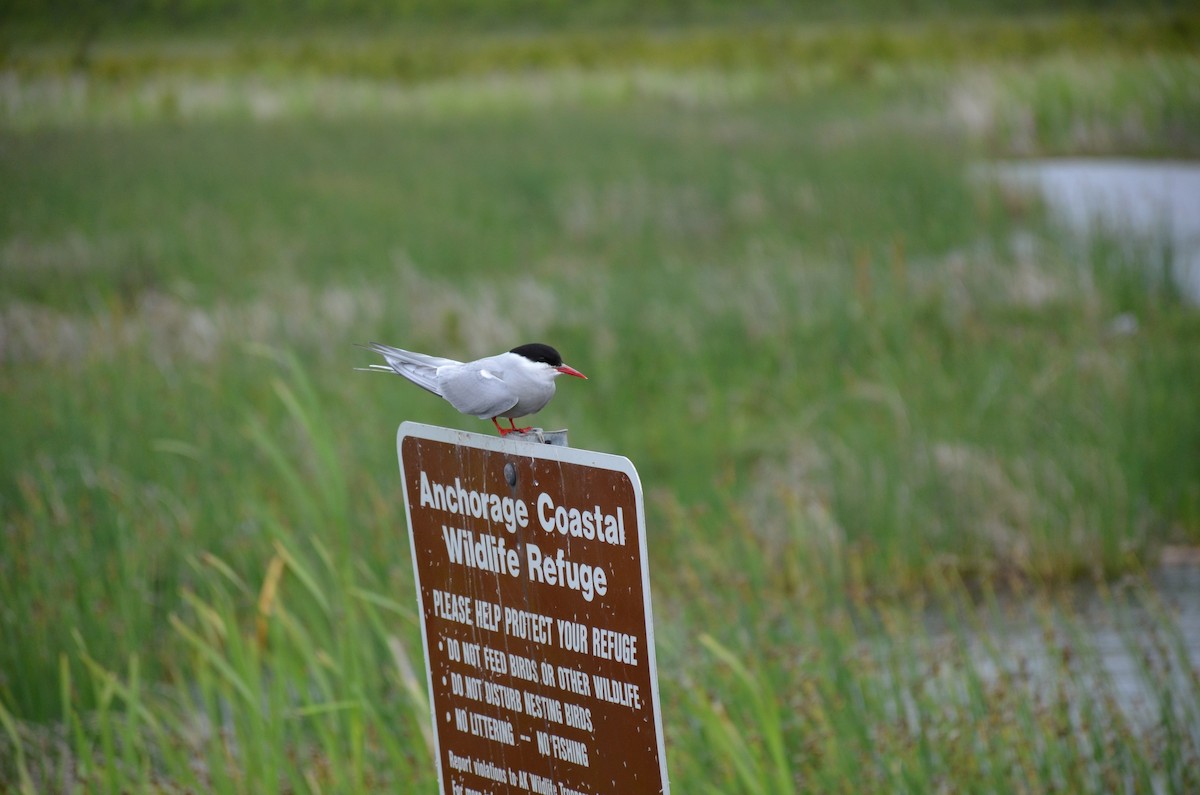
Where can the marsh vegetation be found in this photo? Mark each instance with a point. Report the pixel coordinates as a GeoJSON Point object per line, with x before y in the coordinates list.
{"type": "Point", "coordinates": [878, 404]}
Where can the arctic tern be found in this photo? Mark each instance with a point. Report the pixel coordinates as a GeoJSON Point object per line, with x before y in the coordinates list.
{"type": "Point", "coordinates": [513, 384]}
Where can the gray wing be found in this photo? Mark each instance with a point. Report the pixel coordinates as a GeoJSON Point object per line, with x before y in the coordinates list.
{"type": "Point", "coordinates": [420, 368]}
{"type": "Point", "coordinates": [476, 391]}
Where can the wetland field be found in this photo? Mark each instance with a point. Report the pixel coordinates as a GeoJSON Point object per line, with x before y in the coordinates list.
{"type": "Point", "coordinates": [922, 467]}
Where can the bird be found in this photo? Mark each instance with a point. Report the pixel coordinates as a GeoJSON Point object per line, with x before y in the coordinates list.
{"type": "Point", "coordinates": [517, 383]}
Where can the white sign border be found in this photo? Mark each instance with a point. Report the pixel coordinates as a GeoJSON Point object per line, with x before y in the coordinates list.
{"type": "Point", "coordinates": [565, 455]}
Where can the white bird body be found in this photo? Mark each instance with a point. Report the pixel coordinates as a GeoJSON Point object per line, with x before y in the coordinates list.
{"type": "Point", "coordinates": [517, 383]}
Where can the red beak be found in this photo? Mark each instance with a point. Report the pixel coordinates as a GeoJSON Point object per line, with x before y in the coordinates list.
{"type": "Point", "coordinates": [567, 370]}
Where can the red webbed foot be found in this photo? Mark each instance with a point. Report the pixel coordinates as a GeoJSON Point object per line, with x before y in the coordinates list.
{"type": "Point", "coordinates": [512, 429]}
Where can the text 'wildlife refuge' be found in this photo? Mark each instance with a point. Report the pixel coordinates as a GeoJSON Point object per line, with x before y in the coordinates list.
{"type": "Point", "coordinates": [493, 553]}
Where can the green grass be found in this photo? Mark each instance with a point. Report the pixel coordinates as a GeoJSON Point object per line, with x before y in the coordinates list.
{"type": "Point", "coordinates": [399, 50]}
{"type": "Point", "coordinates": [59, 19]}
{"type": "Point", "coordinates": [858, 384]}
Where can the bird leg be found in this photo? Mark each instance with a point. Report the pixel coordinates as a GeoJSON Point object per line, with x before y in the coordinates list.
{"type": "Point", "coordinates": [513, 429]}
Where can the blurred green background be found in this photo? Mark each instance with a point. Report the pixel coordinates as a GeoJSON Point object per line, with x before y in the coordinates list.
{"type": "Point", "coordinates": [876, 398]}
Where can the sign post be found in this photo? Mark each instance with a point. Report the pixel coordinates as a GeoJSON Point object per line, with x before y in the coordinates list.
{"type": "Point", "coordinates": [533, 587]}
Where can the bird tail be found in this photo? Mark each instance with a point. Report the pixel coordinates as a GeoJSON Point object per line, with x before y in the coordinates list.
{"type": "Point", "coordinates": [419, 368]}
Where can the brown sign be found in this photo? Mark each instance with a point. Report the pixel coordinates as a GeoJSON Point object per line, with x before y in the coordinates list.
{"type": "Point", "coordinates": [533, 586]}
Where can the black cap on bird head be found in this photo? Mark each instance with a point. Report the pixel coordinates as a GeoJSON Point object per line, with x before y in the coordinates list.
{"type": "Point", "coordinates": [539, 352]}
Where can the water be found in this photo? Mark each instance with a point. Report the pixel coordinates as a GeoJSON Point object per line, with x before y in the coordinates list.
{"type": "Point", "coordinates": [1155, 202]}
{"type": "Point", "coordinates": [1154, 205]}
{"type": "Point", "coordinates": [1123, 630]}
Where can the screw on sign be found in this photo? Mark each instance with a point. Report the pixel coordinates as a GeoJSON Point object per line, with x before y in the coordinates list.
{"type": "Point", "coordinates": [533, 586]}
